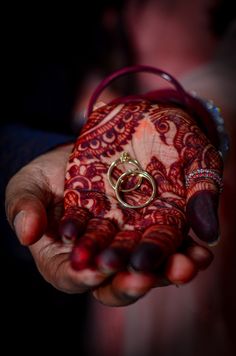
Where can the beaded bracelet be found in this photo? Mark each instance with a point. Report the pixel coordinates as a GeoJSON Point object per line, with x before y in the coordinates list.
{"type": "Point", "coordinates": [215, 113]}
{"type": "Point", "coordinates": [204, 173]}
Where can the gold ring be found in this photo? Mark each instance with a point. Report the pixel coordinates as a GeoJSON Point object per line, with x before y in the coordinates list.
{"type": "Point", "coordinates": [142, 174]}
{"type": "Point", "coordinates": [124, 158]}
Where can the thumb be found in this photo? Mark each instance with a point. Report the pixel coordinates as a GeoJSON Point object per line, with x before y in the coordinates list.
{"type": "Point", "coordinates": [26, 208]}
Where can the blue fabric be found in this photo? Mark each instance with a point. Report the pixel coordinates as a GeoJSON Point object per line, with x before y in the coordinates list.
{"type": "Point", "coordinates": [19, 145]}
{"type": "Point", "coordinates": [29, 300]}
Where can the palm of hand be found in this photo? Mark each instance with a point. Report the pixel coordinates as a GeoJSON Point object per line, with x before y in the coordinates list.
{"type": "Point", "coordinates": [168, 145]}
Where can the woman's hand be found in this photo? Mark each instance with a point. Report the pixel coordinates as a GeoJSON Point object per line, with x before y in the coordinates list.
{"type": "Point", "coordinates": [34, 207]}
{"type": "Point", "coordinates": [113, 240]}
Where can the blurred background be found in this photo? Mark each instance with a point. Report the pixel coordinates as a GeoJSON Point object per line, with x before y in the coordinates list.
{"type": "Point", "coordinates": [52, 58]}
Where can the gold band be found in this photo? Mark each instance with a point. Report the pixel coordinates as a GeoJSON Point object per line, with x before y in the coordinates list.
{"type": "Point", "coordinates": [138, 171]}
{"type": "Point", "coordinates": [124, 158]}
{"type": "Point", "coordinates": [142, 174]}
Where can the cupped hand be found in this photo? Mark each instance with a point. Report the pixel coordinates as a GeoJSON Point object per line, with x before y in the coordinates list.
{"type": "Point", "coordinates": [34, 206]}
{"type": "Point", "coordinates": [137, 249]}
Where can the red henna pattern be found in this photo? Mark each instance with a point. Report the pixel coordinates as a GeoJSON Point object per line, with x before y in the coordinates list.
{"type": "Point", "coordinates": [171, 183]}
{"type": "Point", "coordinates": [195, 151]}
{"type": "Point", "coordinates": [167, 238]}
{"type": "Point", "coordinates": [128, 239]}
{"type": "Point", "coordinates": [111, 133]}
{"type": "Point", "coordinates": [75, 214]}
{"type": "Point", "coordinates": [99, 233]}
{"type": "Point", "coordinates": [112, 129]}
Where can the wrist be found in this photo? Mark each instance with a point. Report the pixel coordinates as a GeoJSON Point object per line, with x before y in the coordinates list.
{"type": "Point", "coordinates": [65, 147]}
{"type": "Point", "coordinates": [212, 122]}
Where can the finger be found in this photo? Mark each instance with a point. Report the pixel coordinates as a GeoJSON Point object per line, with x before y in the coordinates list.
{"type": "Point", "coordinates": [203, 188]}
{"type": "Point", "coordinates": [126, 288]}
{"type": "Point", "coordinates": [26, 202]}
{"type": "Point", "coordinates": [200, 255]}
{"type": "Point", "coordinates": [72, 281]}
{"type": "Point", "coordinates": [202, 214]}
{"type": "Point", "coordinates": [180, 269]}
{"type": "Point", "coordinates": [158, 242]}
{"type": "Point", "coordinates": [115, 257]}
{"type": "Point", "coordinates": [73, 223]}
{"type": "Point", "coordinates": [59, 273]}
{"type": "Point", "coordinates": [98, 235]}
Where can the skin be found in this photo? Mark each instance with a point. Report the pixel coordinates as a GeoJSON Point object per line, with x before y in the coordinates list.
{"type": "Point", "coordinates": [118, 253]}
{"type": "Point", "coordinates": [168, 145]}
{"type": "Point", "coordinates": [34, 198]}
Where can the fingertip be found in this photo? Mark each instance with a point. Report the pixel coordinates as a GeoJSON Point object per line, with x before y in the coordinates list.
{"type": "Point", "coordinates": [146, 257]}
{"type": "Point", "coordinates": [202, 214]}
{"type": "Point", "coordinates": [80, 258]}
{"type": "Point", "coordinates": [30, 224]}
{"type": "Point", "coordinates": [125, 289]}
{"type": "Point", "coordinates": [73, 223]}
{"type": "Point", "coordinates": [83, 253]}
{"type": "Point", "coordinates": [200, 255]}
{"type": "Point", "coordinates": [68, 230]}
{"type": "Point", "coordinates": [111, 260]}
{"type": "Point", "coordinates": [180, 269]}
{"type": "Point", "coordinates": [133, 284]}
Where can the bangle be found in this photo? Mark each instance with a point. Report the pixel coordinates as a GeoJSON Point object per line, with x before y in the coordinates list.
{"type": "Point", "coordinates": [207, 115]}
{"type": "Point", "coordinates": [217, 119]}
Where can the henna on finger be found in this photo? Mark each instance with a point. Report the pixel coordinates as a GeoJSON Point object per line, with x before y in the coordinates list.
{"type": "Point", "coordinates": [203, 179]}
{"type": "Point", "coordinates": [167, 143]}
{"type": "Point", "coordinates": [99, 233]}
{"type": "Point", "coordinates": [116, 256]}
{"type": "Point", "coordinates": [158, 242]}
{"type": "Point", "coordinates": [73, 223]}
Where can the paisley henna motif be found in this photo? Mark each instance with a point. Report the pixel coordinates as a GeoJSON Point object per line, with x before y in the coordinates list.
{"type": "Point", "coordinates": [113, 131]}
{"type": "Point", "coordinates": [168, 144]}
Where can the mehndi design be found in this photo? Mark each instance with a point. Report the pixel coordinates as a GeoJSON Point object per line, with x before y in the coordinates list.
{"type": "Point", "coordinates": [168, 144]}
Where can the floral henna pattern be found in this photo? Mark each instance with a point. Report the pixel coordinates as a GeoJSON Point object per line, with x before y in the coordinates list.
{"type": "Point", "coordinates": [168, 145]}
{"type": "Point", "coordinates": [107, 136]}
{"type": "Point", "coordinates": [195, 150]}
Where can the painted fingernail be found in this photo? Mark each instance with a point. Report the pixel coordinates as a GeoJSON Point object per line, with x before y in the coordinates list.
{"type": "Point", "coordinates": [202, 213]}
{"type": "Point", "coordinates": [83, 253]}
{"type": "Point", "coordinates": [214, 243]}
{"type": "Point", "coordinates": [19, 223]}
{"type": "Point", "coordinates": [146, 257]}
{"type": "Point", "coordinates": [68, 231]}
{"type": "Point", "coordinates": [112, 260]}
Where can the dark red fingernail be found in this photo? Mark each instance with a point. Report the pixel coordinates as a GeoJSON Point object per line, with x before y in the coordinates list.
{"type": "Point", "coordinates": [203, 217]}
{"type": "Point", "coordinates": [146, 257]}
{"type": "Point", "coordinates": [112, 259]}
{"type": "Point", "coordinates": [68, 230]}
{"type": "Point", "coordinates": [83, 253]}
{"type": "Point", "coordinates": [73, 223]}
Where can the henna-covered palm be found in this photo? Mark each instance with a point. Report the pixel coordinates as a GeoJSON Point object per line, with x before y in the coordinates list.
{"type": "Point", "coordinates": [169, 145]}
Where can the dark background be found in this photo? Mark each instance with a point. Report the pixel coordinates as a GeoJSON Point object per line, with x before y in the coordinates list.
{"type": "Point", "coordinates": [45, 55]}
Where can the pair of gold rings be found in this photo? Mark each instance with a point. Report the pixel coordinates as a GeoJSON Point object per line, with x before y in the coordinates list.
{"type": "Point", "coordinates": [137, 172]}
